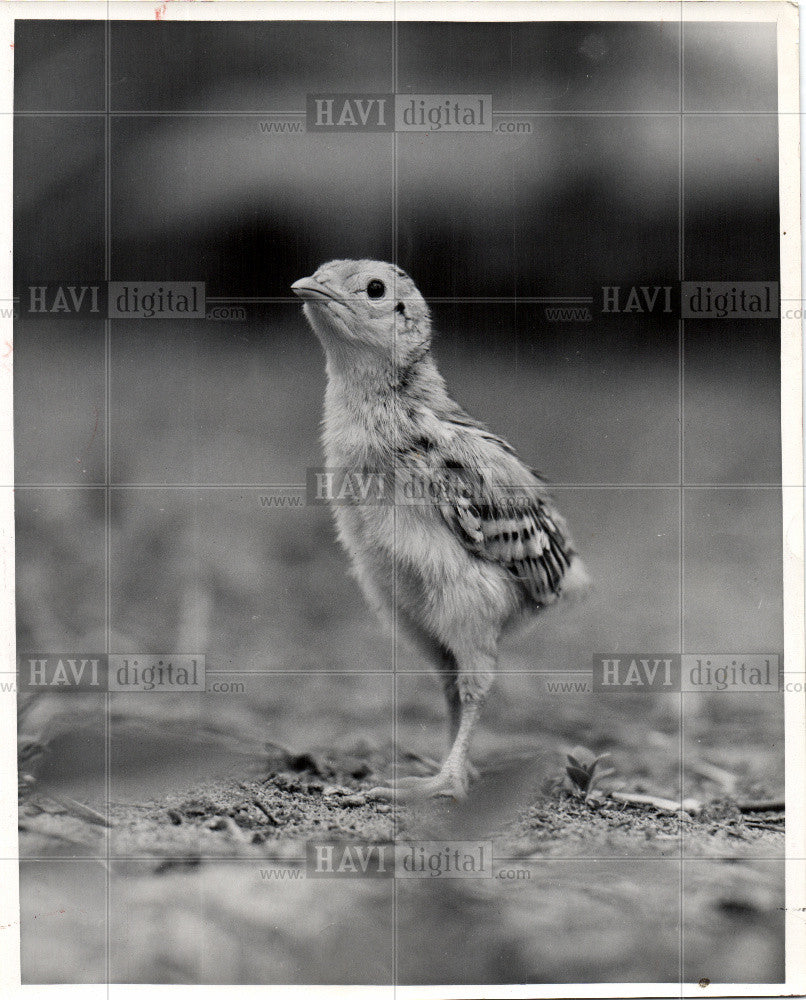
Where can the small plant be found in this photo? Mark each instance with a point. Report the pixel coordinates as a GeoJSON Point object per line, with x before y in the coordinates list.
{"type": "Point", "coordinates": [584, 770]}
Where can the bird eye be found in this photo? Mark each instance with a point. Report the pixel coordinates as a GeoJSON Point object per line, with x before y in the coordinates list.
{"type": "Point", "coordinates": [376, 289]}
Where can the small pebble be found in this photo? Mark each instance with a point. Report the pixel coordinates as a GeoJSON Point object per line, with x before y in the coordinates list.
{"type": "Point", "coordinates": [175, 817]}
{"type": "Point", "coordinates": [335, 790]}
{"type": "Point", "coordinates": [353, 800]}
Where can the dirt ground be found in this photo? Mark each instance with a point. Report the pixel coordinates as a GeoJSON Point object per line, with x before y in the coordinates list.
{"type": "Point", "coordinates": [211, 884]}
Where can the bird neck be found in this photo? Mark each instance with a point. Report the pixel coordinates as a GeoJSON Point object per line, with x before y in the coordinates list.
{"type": "Point", "coordinates": [375, 405]}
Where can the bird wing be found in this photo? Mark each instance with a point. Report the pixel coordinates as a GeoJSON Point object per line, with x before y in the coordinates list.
{"type": "Point", "coordinates": [513, 525]}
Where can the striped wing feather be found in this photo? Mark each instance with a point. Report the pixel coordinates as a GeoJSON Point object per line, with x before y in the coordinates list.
{"type": "Point", "coordinates": [528, 541]}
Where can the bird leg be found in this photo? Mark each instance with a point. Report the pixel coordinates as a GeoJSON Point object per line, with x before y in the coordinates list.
{"type": "Point", "coordinates": [452, 779]}
{"type": "Point", "coordinates": [467, 672]}
{"type": "Point", "coordinates": [450, 682]}
{"type": "Point", "coordinates": [454, 699]}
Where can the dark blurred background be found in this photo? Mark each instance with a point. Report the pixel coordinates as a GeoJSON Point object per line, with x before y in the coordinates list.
{"type": "Point", "coordinates": [609, 184]}
{"type": "Point", "coordinates": [585, 199]}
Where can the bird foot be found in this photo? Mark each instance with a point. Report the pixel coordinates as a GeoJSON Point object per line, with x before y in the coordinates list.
{"type": "Point", "coordinates": [446, 783]}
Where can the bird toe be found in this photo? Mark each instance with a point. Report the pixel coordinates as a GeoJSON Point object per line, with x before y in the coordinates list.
{"type": "Point", "coordinates": [449, 785]}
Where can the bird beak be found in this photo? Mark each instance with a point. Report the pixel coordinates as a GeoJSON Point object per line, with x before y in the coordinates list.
{"type": "Point", "coordinates": [311, 290]}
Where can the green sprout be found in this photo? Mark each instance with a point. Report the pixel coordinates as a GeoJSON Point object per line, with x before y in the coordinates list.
{"type": "Point", "coordinates": [584, 770]}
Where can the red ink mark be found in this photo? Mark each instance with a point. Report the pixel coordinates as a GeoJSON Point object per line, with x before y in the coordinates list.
{"type": "Point", "coordinates": [159, 12]}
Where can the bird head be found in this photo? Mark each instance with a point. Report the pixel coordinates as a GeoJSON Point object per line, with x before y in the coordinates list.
{"type": "Point", "coordinates": [366, 304]}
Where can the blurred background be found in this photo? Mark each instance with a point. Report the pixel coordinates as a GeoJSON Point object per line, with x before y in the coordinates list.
{"type": "Point", "coordinates": [208, 426]}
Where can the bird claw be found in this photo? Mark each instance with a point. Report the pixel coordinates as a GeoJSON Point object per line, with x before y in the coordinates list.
{"type": "Point", "coordinates": [414, 789]}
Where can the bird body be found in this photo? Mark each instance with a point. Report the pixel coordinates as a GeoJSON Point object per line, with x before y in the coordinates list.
{"type": "Point", "coordinates": [469, 543]}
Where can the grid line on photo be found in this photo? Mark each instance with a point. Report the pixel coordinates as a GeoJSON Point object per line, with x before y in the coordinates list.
{"type": "Point", "coordinates": [107, 479]}
{"type": "Point", "coordinates": [301, 487]}
{"type": "Point", "coordinates": [300, 859]}
{"type": "Point", "coordinates": [186, 113]}
{"type": "Point", "coordinates": [396, 261]}
{"type": "Point", "coordinates": [402, 671]}
{"type": "Point", "coordinates": [681, 458]}
{"type": "Point", "coordinates": [297, 487]}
